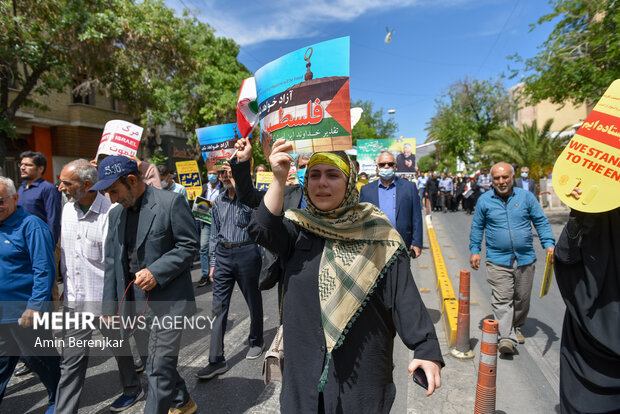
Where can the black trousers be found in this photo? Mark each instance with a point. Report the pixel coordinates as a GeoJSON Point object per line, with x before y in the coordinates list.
{"type": "Point", "coordinates": [241, 265]}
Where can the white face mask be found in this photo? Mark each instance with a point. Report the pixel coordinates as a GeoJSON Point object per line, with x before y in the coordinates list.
{"type": "Point", "coordinates": [386, 173]}
{"type": "Point", "coordinates": [164, 184]}
{"type": "Point", "coordinates": [524, 174]}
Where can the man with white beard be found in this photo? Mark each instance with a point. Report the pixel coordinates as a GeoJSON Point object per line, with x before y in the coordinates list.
{"type": "Point", "coordinates": [83, 233]}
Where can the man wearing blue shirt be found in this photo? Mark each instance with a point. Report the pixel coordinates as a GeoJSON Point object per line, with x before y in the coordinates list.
{"type": "Point", "coordinates": [505, 215]}
{"type": "Point", "coordinates": [36, 195]}
{"type": "Point", "coordinates": [27, 274]}
{"type": "Point", "coordinates": [446, 189]}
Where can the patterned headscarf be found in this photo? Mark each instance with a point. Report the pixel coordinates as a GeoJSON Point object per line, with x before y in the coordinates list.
{"type": "Point", "coordinates": [360, 245]}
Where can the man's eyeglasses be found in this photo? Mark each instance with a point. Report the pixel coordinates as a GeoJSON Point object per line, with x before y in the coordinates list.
{"type": "Point", "coordinates": [23, 164]}
{"type": "Point", "coordinates": [386, 164]}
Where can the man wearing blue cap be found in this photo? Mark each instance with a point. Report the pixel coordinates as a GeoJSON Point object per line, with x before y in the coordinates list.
{"type": "Point", "coordinates": [151, 244]}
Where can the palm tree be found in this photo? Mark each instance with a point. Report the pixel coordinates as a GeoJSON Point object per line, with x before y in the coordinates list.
{"type": "Point", "coordinates": [530, 147]}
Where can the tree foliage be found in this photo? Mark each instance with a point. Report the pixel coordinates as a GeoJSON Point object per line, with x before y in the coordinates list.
{"type": "Point", "coordinates": [532, 147]}
{"type": "Point", "coordinates": [465, 115]}
{"type": "Point", "coordinates": [372, 125]}
{"type": "Point", "coordinates": [581, 57]}
{"type": "Point", "coordinates": [161, 66]}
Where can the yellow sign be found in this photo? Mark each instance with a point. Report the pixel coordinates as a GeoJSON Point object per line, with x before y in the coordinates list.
{"type": "Point", "coordinates": [263, 179]}
{"type": "Point", "coordinates": [591, 160]}
{"type": "Point", "coordinates": [189, 177]}
{"type": "Point", "coordinates": [547, 276]}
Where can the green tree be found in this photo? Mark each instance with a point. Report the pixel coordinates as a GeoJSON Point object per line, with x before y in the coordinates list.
{"type": "Point", "coordinates": [581, 57]}
{"type": "Point", "coordinates": [428, 162]}
{"type": "Point", "coordinates": [372, 125]}
{"type": "Point", "coordinates": [465, 115]}
{"type": "Point", "coordinates": [163, 67]}
{"type": "Point", "coordinates": [532, 147]}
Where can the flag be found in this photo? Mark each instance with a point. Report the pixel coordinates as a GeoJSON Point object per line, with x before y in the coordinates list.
{"type": "Point", "coordinates": [247, 108]}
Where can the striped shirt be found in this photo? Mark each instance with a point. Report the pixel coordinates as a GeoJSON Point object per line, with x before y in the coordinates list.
{"type": "Point", "coordinates": [82, 241]}
{"type": "Point", "coordinates": [229, 223]}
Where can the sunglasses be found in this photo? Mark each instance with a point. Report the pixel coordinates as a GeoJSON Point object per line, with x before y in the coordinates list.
{"type": "Point", "coordinates": [386, 164]}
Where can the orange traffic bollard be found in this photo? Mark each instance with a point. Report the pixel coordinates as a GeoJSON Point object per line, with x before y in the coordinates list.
{"type": "Point", "coordinates": [462, 349]}
{"type": "Point", "coordinates": [487, 369]}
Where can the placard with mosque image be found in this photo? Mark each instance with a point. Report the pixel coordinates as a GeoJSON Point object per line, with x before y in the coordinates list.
{"type": "Point", "coordinates": [303, 97]}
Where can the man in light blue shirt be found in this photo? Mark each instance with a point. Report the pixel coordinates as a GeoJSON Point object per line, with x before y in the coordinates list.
{"type": "Point", "coordinates": [505, 215]}
{"type": "Point", "coordinates": [446, 190]}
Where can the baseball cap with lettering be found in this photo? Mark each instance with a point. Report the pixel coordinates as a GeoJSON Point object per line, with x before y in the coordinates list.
{"type": "Point", "coordinates": [111, 169]}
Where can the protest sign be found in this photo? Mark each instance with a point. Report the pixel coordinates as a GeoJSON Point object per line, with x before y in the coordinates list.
{"type": "Point", "coordinates": [547, 276]}
{"type": "Point", "coordinates": [217, 142]}
{"type": "Point", "coordinates": [263, 179]}
{"type": "Point", "coordinates": [403, 150]}
{"type": "Point", "coordinates": [303, 97]}
{"type": "Point", "coordinates": [119, 138]}
{"type": "Point", "coordinates": [189, 177]}
{"type": "Point", "coordinates": [201, 210]}
{"type": "Point", "coordinates": [591, 160]}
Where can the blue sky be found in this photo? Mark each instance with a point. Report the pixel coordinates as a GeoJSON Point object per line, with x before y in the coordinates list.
{"type": "Point", "coordinates": [435, 42]}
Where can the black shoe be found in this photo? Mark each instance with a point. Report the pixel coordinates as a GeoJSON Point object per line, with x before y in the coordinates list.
{"type": "Point", "coordinates": [212, 370]}
{"type": "Point", "coordinates": [204, 281]}
{"type": "Point", "coordinates": [24, 369]}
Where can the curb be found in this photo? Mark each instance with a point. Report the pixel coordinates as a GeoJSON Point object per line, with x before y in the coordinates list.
{"type": "Point", "coordinates": [445, 291]}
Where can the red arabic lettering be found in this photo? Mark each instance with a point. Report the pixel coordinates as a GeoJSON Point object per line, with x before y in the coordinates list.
{"type": "Point", "coordinates": [312, 116]}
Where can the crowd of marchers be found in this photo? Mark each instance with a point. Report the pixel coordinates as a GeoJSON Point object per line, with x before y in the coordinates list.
{"type": "Point", "coordinates": [116, 237]}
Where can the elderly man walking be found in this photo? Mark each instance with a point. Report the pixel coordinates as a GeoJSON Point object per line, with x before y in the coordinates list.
{"type": "Point", "coordinates": [149, 250]}
{"type": "Point", "coordinates": [398, 199]}
{"type": "Point", "coordinates": [27, 274]}
{"type": "Point", "coordinates": [505, 214]}
{"type": "Point", "coordinates": [82, 237]}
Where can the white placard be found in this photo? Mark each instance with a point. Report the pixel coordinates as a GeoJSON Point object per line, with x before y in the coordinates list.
{"type": "Point", "coordinates": [119, 138]}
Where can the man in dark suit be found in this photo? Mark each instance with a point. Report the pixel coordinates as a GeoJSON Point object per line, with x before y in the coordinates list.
{"type": "Point", "coordinates": [149, 249]}
{"type": "Point", "coordinates": [399, 200]}
{"type": "Point", "coordinates": [526, 183]}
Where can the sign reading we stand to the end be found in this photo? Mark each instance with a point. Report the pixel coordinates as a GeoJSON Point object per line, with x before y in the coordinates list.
{"type": "Point", "coordinates": [591, 160]}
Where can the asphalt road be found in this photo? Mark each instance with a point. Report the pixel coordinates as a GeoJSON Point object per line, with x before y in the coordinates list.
{"type": "Point", "coordinates": [529, 380]}
{"type": "Point", "coordinates": [526, 382]}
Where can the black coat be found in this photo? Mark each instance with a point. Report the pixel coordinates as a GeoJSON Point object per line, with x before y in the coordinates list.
{"type": "Point", "coordinates": [587, 267]}
{"type": "Point", "coordinates": [271, 271]}
{"type": "Point", "coordinates": [360, 371]}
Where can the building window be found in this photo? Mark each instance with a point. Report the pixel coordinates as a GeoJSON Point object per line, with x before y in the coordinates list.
{"type": "Point", "coordinates": [82, 93]}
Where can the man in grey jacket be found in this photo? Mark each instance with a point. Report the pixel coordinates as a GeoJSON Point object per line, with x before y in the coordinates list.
{"type": "Point", "coordinates": [149, 249]}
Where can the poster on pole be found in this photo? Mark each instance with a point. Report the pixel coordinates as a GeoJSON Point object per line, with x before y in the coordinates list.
{"type": "Point", "coordinates": [119, 138]}
{"type": "Point", "coordinates": [303, 97]}
{"type": "Point", "coordinates": [217, 143]}
{"type": "Point", "coordinates": [189, 177]}
{"type": "Point", "coordinates": [591, 160]}
{"type": "Point", "coordinates": [403, 150]}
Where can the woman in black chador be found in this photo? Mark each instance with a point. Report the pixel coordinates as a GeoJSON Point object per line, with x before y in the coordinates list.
{"type": "Point", "coordinates": [587, 267]}
{"type": "Point", "coordinates": [348, 289]}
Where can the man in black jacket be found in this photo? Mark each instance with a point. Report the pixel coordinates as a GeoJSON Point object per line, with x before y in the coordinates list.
{"type": "Point", "coordinates": [251, 197]}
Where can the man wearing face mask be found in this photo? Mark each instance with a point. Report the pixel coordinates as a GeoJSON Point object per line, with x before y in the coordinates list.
{"type": "Point", "coordinates": [526, 183]}
{"type": "Point", "coordinates": [210, 191]}
{"type": "Point", "coordinates": [167, 182]}
{"type": "Point", "coordinates": [399, 200]}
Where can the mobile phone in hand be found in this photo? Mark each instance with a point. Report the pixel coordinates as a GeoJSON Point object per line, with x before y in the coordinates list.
{"type": "Point", "coordinates": [419, 377]}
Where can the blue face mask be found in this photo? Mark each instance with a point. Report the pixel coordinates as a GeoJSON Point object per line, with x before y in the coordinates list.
{"type": "Point", "coordinates": [386, 173]}
{"type": "Point", "coordinates": [212, 178]}
{"type": "Point", "coordinates": [524, 174]}
{"type": "Point", "coordinates": [300, 176]}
